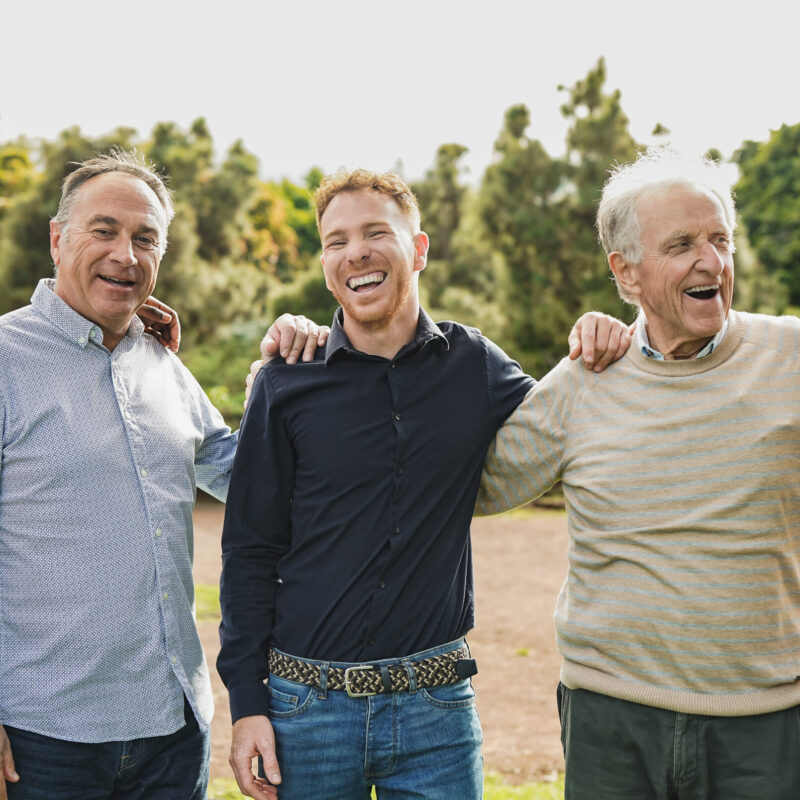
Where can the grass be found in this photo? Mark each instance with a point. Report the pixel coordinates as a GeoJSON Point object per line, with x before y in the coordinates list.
{"type": "Point", "coordinates": [206, 597]}
{"type": "Point", "coordinates": [494, 788]}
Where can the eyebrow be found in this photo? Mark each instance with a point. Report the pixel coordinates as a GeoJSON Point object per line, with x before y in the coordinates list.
{"type": "Point", "coordinates": [113, 221]}
{"type": "Point", "coordinates": [364, 227]}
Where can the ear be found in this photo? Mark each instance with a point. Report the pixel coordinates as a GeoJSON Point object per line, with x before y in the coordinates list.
{"type": "Point", "coordinates": [55, 242]}
{"type": "Point", "coordinates": [421, 244]}
{"type": "Point", "coordinates": [624, 273]}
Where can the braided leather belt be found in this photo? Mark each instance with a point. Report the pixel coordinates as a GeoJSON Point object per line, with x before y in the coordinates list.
{"type": "Point", "coordinates": [365, 680]}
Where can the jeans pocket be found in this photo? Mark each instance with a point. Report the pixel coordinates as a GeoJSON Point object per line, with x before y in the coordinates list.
{"type": "Point", "coordinates": [288, 699]}
{"type": "Point", "coordinates": [454, 695]}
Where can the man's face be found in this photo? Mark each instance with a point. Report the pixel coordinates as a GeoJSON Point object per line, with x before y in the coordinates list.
{"type": "Point", "coordinates": [370, 257]}
{"type": "Point", "coordinates": [108, 256]}
{"type": "Point", "coordinates": [684, 283]}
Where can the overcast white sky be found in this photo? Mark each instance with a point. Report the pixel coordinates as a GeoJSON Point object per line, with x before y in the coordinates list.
{"type": "Point", "coordinates": [369, 83]}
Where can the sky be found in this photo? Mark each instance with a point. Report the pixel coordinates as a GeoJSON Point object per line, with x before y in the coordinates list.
{"type": "Point", "coordinates": [356, 83]}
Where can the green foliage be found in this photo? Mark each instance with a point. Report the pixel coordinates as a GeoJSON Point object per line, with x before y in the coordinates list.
{"type": "Point", "coordinates": [767, 194]}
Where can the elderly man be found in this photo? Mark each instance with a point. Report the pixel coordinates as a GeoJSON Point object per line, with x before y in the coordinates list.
{"type": "Point", "coordinates": [679, 621]}
{"type": "Point", "coordinates": [104, 437]}
{"type": "Point", "coordinates": [347, 569]}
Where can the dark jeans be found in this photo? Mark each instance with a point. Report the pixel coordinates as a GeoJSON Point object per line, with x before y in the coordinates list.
{"type": "Point", "coordinates": [173, 767]}
{"type": "Point", "coordinates": [616, 750]}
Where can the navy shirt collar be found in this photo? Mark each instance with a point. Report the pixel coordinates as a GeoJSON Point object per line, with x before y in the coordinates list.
{"type": "Point", "coordinates": [427, 331]}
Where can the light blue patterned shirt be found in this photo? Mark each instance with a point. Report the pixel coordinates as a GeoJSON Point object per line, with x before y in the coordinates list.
{"type": "Point", "coordinates": [100, 456]}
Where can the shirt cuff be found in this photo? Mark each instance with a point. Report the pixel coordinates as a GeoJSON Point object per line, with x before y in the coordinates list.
{"type": "Point", "coordinates": [248, 699]}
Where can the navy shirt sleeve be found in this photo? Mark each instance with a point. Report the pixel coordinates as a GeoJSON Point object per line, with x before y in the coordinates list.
{"type": "Point", "coordinates": [256, 534]}
{"type": "Point", "coordinates": [508, 384]}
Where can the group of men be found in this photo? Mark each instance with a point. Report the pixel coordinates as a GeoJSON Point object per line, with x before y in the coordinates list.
{"type": "Point", "coordinates": [346, 587]}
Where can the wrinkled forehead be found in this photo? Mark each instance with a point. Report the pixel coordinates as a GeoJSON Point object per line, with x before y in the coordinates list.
{"type": "Point", "coordinates": [120, 196]}
{"type": "Point", "coordinates": [680, 209]}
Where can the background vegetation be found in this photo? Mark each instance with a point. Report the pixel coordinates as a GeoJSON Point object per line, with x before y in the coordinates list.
{"type": "Point", "coordinates": [512, 252]}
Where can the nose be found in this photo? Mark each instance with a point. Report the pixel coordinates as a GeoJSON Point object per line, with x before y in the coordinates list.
{"type": "Point", "coordinates": [710, 258]}
{"type": "Point", "coordinates": [123, 252]}
{"type": "Point", "coordinates": [358, 250]}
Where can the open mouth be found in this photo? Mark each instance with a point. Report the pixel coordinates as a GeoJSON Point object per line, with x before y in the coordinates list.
{"type": "Point", "coordinates": [366, 282]}
{"type": "Point", "coordinates": [111, 281]}
{"type": "Point", "coordinates": [703, 292]}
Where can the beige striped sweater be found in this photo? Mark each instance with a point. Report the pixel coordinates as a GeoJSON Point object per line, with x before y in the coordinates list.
{"type": "Point", "coordinates": [682, 483]}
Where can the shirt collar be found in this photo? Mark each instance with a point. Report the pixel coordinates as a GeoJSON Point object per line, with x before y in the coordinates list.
{"type": "Point", "coordinates": [643, 342]}
{"type": "Point", "coordinates": [74, 326]}
{"type": "Point", "coordinates": [427, 330]}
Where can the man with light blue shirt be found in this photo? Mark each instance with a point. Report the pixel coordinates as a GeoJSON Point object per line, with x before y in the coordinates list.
{"type": "Point", "coordinates": [104, 438]}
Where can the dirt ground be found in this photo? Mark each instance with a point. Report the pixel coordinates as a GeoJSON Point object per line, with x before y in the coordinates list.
{"type": "Point", "coordinates": [520, 563]}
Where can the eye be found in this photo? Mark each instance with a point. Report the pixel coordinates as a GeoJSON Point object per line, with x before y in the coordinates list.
{"type": "Point", "coordinates": [103, 233]}
{"type": "Point", "coordinates": [373, 234]}
{"type": "Point", "coordinates": [146, 242]}
{"type": "Point", "coordinates": [333, 245]}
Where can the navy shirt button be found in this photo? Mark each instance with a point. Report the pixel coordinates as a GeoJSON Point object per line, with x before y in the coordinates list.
{"type": "Point", "coordinates": [395, 530]}
{"type": "Point", "coordinates": [381, 584]}
{"type": "Point", "coordinates": [370, 640]}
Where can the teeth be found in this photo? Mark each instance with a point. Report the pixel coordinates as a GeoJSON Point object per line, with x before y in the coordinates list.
{"type": "Point", "coordinates": [116, 281]}
{"type": "Point", "coordinates": [697, 289]}
{"type": "Point", "coordinates": [373, 277]}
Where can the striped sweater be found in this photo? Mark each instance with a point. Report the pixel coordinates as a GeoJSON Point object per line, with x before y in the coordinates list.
{"type": "Point", "coordinates": [682, 484]}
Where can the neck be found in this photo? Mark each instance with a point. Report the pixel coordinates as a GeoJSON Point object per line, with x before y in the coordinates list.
{"type": "Point", "coordinates": [681, 349]}
{"type": "Point", "coordinates": [384, 339]}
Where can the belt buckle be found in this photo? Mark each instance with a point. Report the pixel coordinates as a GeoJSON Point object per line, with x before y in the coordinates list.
{"type": "Point", "coordinates": [348, 672]}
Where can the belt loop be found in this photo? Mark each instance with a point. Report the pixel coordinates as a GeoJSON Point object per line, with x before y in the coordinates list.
{"type": "Point", "coordinates": [412, 677]}
{"type": "Point", "coordinates": [322, 690]}
{"type": "Point", "coordinates": [386, 678]}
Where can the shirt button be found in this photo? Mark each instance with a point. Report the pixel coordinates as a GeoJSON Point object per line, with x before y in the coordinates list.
{"type": "Point", "coordinates": [81, 340]}
{"type": "Point", "coordinates": [381, 584]}
{"type": "Point", "coordinates": [397, 417]}
{"type": "Point", "coordinates": [144, 473]}
{"type": "Point", "coordinates": [400, 470]}
{"type": "Point", "coordinates": [395, 530]}
{"type": "Point", "coordinates": [393, 365]}
{"type": "Point", "coordinates": [158, 532]}
{"type": "Point", "coordinates": [166, 595]}
{"type": "Point", "coordinates": [370, 640]}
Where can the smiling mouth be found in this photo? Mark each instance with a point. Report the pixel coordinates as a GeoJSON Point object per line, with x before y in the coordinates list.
{"type": "Point", "coordinates": [364, 282]}
{"type": "Point", "coordinates": [703, 292]}
{"type": "Point", "coordinates": [116, 281]}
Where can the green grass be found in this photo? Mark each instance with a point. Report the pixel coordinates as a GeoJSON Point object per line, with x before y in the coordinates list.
{"type": "Point", "coordinates": [494, 788]}
{"type": "Point", "coordinates": [206, 596]}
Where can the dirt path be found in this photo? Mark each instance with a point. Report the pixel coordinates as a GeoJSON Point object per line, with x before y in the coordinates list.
{"type": "Point", "coordinates": [519, 566]}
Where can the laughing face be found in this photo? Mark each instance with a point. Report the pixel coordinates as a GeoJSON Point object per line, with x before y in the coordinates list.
{"type": "Point", "coordinates": [109, 252]}
{"type": "Point", "coordinates": [371, 257]}
{"type": "Point", "coordinates": [684, 283]}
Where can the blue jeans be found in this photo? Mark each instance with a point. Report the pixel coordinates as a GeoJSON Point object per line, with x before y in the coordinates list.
{"type": "Point", "coordinates": [173, 767]}
{"type": "Point", "coordinates": [420, 744]}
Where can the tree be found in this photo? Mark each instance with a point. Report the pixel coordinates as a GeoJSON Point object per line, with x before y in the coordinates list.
{"type": "Point", "coordinates": [767, 193]}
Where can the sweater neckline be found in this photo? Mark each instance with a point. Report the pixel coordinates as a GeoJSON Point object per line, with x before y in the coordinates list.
{"type": "Point", "coordinates": [694, 366]}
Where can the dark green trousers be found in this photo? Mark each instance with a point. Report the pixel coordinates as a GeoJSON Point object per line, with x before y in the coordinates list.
{"type": "Point", "coordinates": [616, 750]}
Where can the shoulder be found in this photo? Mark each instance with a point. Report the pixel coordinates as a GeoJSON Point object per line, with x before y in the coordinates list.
{"type": "Point", "coordinates": [774, 333]}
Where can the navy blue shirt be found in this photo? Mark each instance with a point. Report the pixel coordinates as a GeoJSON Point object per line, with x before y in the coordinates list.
{"type": "Point", "coordinates": [346, 531]}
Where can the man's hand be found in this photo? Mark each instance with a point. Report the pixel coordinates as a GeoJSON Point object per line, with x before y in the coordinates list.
{"type": "Point", "coordinates": [600, 339]}
{"type": "Point", "coordinates": [9, 772]}
{"type": "Point", "coordinates": [162, 322]}
{"type": "Point", "coordinates": [290, 336]}
{"type": "Point", "coordinates": [252, 737]}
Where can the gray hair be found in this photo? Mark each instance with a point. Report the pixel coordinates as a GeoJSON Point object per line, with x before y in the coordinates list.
{"type": "Point", "coordinates": [117, 160]}
{"type": "Point", "coordinates": [653, 174]}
